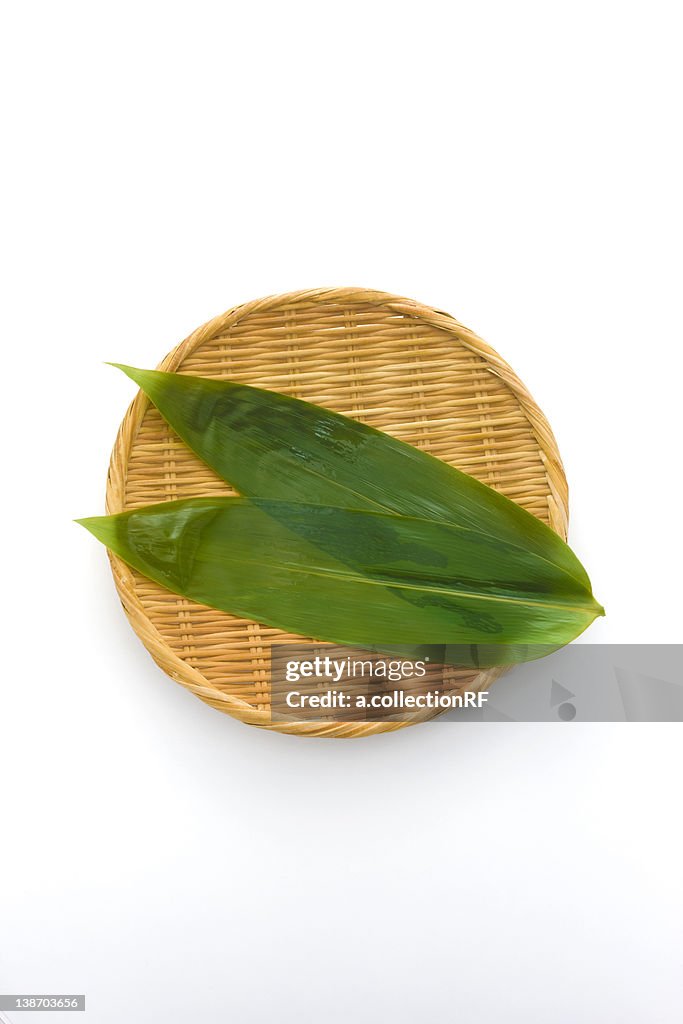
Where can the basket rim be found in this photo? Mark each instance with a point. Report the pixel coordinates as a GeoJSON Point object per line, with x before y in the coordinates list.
{"type": "Point", "coordinates": [153, 640]}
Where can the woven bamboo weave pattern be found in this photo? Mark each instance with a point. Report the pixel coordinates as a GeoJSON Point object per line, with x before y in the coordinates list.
{"type": "Point", "coordinates": [404, 368]}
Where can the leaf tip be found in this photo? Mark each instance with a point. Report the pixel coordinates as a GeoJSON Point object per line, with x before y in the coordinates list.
{"type": "Point", "coordinates": [130, 371]}
{"type": "Point", "coordinates": [86, 522]}
{"type": "Point", "coordinates": [97, 525]}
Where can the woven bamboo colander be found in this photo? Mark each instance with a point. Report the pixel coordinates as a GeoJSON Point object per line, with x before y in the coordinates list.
{"type": "Point", "coordinates": [393, 363]}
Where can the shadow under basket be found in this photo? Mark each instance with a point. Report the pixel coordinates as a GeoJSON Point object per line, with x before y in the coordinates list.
{"type": "Point", "coordinates": [402, 367]}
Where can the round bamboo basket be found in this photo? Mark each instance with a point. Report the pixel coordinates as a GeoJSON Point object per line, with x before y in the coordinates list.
{"type": "Point", "coordinates": [402, 367]}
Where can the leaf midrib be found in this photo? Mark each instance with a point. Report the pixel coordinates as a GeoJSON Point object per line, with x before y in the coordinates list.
{"type": "Point", "coordinates": [450, 592]}
{"type": "Point", "coordinates": [388, 510]}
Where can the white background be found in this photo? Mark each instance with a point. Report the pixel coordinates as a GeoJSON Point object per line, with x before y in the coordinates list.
{"type": "Point", "coordinates": [518, 165]}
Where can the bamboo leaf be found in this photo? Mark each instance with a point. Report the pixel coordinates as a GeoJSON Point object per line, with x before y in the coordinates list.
{"type": "Point", "coordinates": [341, 574]}
{"type": "Point", "coordinates": [272, 446]}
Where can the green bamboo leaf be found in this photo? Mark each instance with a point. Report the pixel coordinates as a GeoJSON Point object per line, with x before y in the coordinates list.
{"type": "Point", "coordinates": [272, 446]}
{"type": "Point", "coordinates": [341, 575]}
